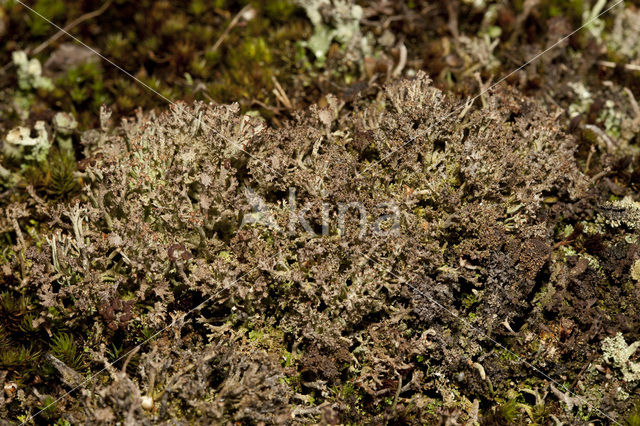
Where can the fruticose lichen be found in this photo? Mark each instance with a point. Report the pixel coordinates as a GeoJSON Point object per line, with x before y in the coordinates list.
{"type": "Point", "coordinates": [300, 326]}
{"type": "Point", "coordinates": [30, 73]}
{"type": "Point", "coordinates": [335, 20]}
{"type": "Point", "coordinates": [19, 143]}
{"type": "Point", "coordinates": [616, 350]}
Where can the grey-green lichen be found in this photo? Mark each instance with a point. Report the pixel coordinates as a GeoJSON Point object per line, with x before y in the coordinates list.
{"type": "Point", "coordinates": [337, 20]}
{"type": "Point", "coordinates": [635, 270]}
{"type": "Point", "coordinates": [625, 212]}
{"type": "Point", "coordinates": [30, 72]}
{"type": "Point", "coordinates": [616, 351]}
{"type": "Point", "coordinates": [19, 143]}
{"type": "Point", "coordinates": [624, 38]}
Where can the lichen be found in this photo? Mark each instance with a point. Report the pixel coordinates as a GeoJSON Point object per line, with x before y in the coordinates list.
{"type": "Point", "coordinates": [161, 227]}
{"type": "Point", "coordinates": [616, 351]}
{"type": "Point", "coordinates": [30, 73]}
{"type": "Point", "coordinates": [342, 24]}
{"type": "Point", "coordinates": [625, 212]}
{"type": "Point", "coordinates": [624, 38]}
{"type": "Point", "coordinates": [21, 145]}
{"type": "Point", "coordinates": [635, 270]}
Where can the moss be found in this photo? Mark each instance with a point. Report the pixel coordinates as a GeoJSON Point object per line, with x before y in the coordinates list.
{"type": "Point", "coordinates": [64, 347]}
{"type": "Point", "coordinates": [280, 10]}
{"type": "Point", "coordinates": [52, 9]}
{"type": "Point", "coordinates": [83, 85]}
{"type": "Point", "coordinates": [633, 419]}
{"type": "Point", "coordinates": [573, 9]}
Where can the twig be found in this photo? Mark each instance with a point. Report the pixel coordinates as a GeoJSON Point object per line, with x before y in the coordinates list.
{"type": "Point", "coordinates": [280, 94]}
{"type": "Point", "coordinates": [32, 193]}
{"type": "Point", "coordinates": [232, 24]}
{"type": "Point", "coordinates": [626, 67]}
{"type": "Point", "coordinates": [452, 24]}
{"type": "Point", "coordinates": [70, 26]}
{"type": "Point", "coordinates": [611, 146]}
{"type": "Point", "coordinates": [483, 88]}
{"type": "Point", "coordinates": [634, 105]}
{"type": "Point", "coordinates": [66, 29]}
{"type": "Point", "coordinates": [591, 152]}
{"type": "Point", "coordinates": [69, 376]}
{"type": "Point", "coordinates": [600, 175]}
{"type": "Point", "coordinates": [128, 359]}
{"type": "Point", "coordinates": [402, 61]}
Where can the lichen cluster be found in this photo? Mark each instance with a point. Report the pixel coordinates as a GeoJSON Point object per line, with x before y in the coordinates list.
{"type": "Point", "coordinates": [336, 326]}
{"type": "Point", "coordinates": [338, 245]}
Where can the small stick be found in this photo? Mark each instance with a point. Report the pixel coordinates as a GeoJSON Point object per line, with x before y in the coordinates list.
{"type": "Point", "coordinates": [626, 67]}
{"type": "Point", "coordinates": [232, 24]}
{"type": "Point", "coordinates": [634, 105]}
{"type": "Point", "coordinates": [60, 33]}
{"type": "Point", "coordinates": [280, 94]}
{"type": "Point", "coordinates": [611, 146]}
{"type": "Point", "coordinates": [69, 27]}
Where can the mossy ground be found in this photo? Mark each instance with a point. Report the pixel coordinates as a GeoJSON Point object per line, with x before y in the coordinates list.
{"type": "Point", "coordinates": [169, 46]}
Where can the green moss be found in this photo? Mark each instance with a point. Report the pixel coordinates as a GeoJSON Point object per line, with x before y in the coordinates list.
{"type": "Point", "coordinates": [175, 23]}
{"type": "Point", "coordinates": [63, 347]}
{"type": "Point", "coordinates": [117, 44]}
{"type": "Point", "coordinates": [82, 90]}
{"type": "Point", "coordinates": [198, 7]}
{"type": "Point", "coordinates": [633, 419]}
{"type": "Point", "coordinates": [469, 300]}
{"type": "Point", "coordinates": [60, 168]}
{"type": "Point", "coordinates": [51, 9]}
{"type": "Point", "coordinates": [508, 356]}
{"type": "Point", "coordinates": [279, 10]}
{"type": "Point", "coordinates": [18, 358]}
{"type": "Point", "coordinates": [572, 9]}
{"type": "Point", "coordinates": [49, 408]}
{"type": "Point", "coordinates": [508, 412]}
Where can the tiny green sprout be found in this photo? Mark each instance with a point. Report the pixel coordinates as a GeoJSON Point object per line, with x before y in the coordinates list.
{"type": "Point", "coordinates": [60, 168]}
{"type": "Point", "coordinates": [147, 333]}
{"type": "Point", "coordinates": [48, 407]}
{"type": "Point", "coordinates": [114, 351]}
{"type": "Point", "coordinates": [508, 411]}
{"type": "Point", "coordinates": [13, 358]}
{"type": "Point", "coordinates": [280, 10]}
{"type": "Point", "coordinates": [14, 305]}
{"type": "Point", "coordinates": [64, 348]}
{"type": "Point", "coordinates": [198, 7]}
{"type": "Point", "coordinates": [634, 418]}
{"type": "Point", "coordinates": [256, 335]}
{"type": "Point", "coordinates": [188, 79]}
{"type": "Point", "coordinates": [27, 323]}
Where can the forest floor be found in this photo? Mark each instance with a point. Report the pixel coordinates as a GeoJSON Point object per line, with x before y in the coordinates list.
{"type": "Point", "coordinates": [527, 309]}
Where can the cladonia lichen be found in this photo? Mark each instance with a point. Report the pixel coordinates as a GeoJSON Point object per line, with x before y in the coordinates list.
{"type": "Point", "coordinates": [30, 72]}
{"type": "Point", "coordinates": [344, 27]}
{"type": "Point", "coordinates": [635, 270]}
{"type": "Point", "coordinates": [616, 351]}
{"type": "Point", "coordinates": [21, 144]}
